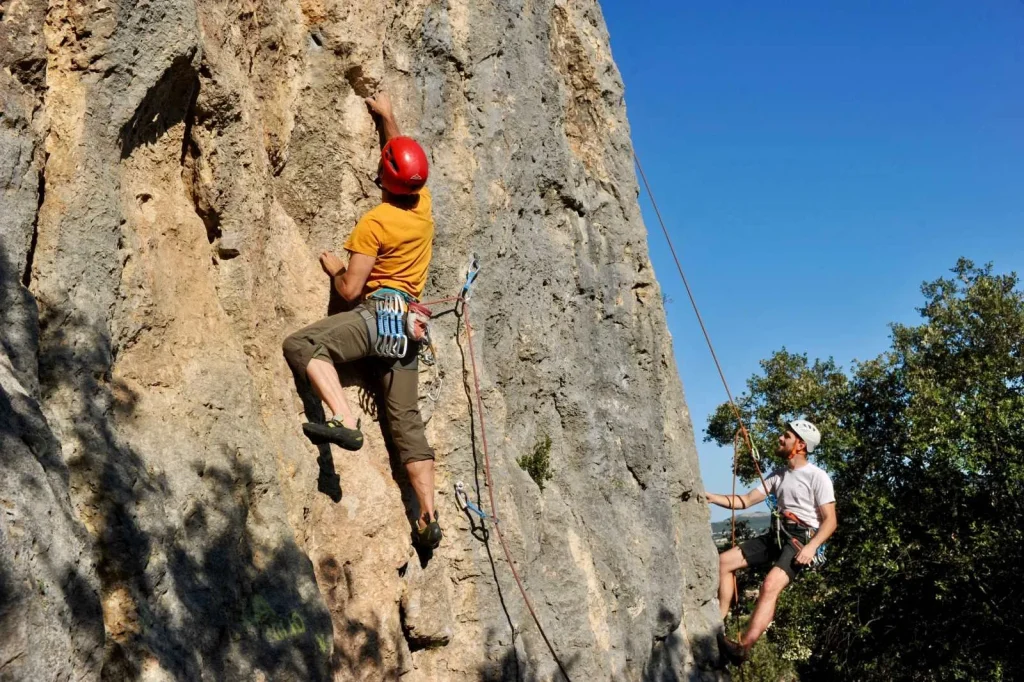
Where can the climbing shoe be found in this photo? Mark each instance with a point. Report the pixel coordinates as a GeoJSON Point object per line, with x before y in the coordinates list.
{"type": "Point", "coordinates": [734, 652]}
{"type": "Point", "coordinates": [428, 537]}
{"type": "Point", "coordinates": [334, 432]}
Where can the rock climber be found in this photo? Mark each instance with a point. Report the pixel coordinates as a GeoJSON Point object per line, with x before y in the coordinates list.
{"type": "Point", "coordinates": [804, 519]}
{"type": "Point", "coordinates": [389, 251]}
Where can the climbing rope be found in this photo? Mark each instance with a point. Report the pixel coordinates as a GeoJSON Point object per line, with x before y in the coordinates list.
{"type": "Point", "coordinates": [732, 510]}
{"type": "Point", "coordinates": [464, 296]}
{"type": "Point", "coordinates": [819, 558]}
{"type": "Point", "coordinates": [703, 328]}
{"type": "Point", "coordinates": [490, 493]}
{"type": "Point", "coordinates": [742, 429]}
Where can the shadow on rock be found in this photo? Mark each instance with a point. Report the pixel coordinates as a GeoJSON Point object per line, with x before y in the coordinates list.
{"type": "Point", "coordinates": [167, 103]}
{"type": "Point", "coordinates": [212, 596]}
{"type": "Point", "coordinates": [509, 666]}
{"type": "Point", "coordinates": [676, 657]}
{"type": "Point", "coordinates": [328, 482]}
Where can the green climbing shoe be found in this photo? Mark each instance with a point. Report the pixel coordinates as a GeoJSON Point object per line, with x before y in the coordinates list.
{"type": "Point", "coordinates": [733, 652]}
{"type": "Point", "coordinates": [334, 432]}
{"type": "Point", "coordinates": [428, 537]}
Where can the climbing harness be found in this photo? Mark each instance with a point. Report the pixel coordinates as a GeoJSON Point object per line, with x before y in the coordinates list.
{"type": "Point", "coordinates": [796, 531]}
{"type": "Point", "coordinates": [392, 324]}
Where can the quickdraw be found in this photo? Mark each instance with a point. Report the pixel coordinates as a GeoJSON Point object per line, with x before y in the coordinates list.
{"type": "Point", "coordinates": [392, 341]}
{"type": "Point", "coordinates": [465, 504]}
{"type": "Point", "coordinates": [471, 272]}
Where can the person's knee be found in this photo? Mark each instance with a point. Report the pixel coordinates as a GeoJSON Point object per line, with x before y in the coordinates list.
{"type": "Point", "coordinates": [291, 347]}
{"type": "Point", "coordinates": [774, 583]}
{"type": "Point", "coordinates": [730, 561]}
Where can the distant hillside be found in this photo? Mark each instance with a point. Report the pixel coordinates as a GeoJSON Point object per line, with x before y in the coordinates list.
{"type": "Point", "coordinates": [758, 521]}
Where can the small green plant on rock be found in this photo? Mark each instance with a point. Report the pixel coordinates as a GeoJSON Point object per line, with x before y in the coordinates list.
{"type": "Point", "coordinates": [538, 462]}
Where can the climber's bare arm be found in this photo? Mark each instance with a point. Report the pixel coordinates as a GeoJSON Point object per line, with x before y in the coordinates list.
{"type": "Point", "coordinates": [384, 116]}
{"type": "Point", "coordinates": [737, 501]}
{"type": "Point", "coordinates": [349, 281]}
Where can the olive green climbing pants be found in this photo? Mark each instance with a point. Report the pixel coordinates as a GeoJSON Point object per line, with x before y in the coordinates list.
{"type": "Point", "coordinates": [344, 338]}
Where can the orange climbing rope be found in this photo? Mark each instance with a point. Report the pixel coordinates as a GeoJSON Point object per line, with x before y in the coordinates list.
{"type": "Point", "coordinates": [732, 509]}
{"type": "Point", "coordinates": [736, 410]}
{"type": "Point", "coordinates": [700, 320]}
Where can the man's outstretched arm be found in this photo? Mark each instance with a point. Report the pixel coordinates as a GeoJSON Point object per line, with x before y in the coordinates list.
{"type": "Point", "coordinates": [737, 501]}
{"type": "Point", "coordinates": [384, 116]}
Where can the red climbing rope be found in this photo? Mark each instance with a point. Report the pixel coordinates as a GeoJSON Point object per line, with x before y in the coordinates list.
{"type": "Point", "coordinates": [490, 492]}
{"type": "Point", "coordinates": [487, 468]}
{"type": "Point", "coordinates": [442, 300]}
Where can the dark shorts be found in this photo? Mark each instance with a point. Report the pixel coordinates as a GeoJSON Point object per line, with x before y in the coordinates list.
{"type": "Point", "coordinates": [764, 549]}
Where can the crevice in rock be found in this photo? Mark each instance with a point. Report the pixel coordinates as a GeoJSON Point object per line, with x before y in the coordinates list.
{"type": "Point", "coordinates": [30, 71]}
{"type": "Point", "coordinates": [643, 486]}
{"type": "Point", "coordinates": [211, 219]}
{"type": "Point", "coordinates": [415, 643]}
{"type": "Point", "coordinates": [419, 641]}
{"type": "Point", "coordinates": [190, 121]}
{"type": "Point", "coordinates": [26, 277]}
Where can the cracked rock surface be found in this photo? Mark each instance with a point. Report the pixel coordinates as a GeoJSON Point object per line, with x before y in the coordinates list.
{"type": "Point", "coordinates": [170, 170]}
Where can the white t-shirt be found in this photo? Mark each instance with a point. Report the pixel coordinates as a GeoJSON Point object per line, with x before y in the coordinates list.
{"type": "Point", "coordinates": [802, 491]}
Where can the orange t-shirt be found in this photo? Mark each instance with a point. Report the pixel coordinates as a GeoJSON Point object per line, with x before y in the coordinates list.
{"type": "Point", "coordinates": [401, 240]}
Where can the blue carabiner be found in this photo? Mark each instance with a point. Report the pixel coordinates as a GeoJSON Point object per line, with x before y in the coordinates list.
{"type": "Point", "coordinates": [474, 268]}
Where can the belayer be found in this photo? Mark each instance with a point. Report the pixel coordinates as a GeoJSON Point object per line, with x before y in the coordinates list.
{"type": "Point", "coordinates": [803, 519]}
{"type": "Point", "coordinates": [389, 252]}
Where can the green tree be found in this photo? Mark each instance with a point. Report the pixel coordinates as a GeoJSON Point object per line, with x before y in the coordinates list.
{"type": "Point", "coordinates": [925, 444]}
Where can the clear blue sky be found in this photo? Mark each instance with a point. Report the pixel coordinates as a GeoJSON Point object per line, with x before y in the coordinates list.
{"type": "Point", "coordinates": [815, 162]}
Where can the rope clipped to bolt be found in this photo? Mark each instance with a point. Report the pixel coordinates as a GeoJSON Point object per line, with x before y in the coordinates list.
{"type": "Point", "coordinates": [465, 294]}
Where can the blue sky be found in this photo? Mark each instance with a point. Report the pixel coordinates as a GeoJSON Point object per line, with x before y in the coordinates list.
{"type": "Point", "coordinates": [815, 163]}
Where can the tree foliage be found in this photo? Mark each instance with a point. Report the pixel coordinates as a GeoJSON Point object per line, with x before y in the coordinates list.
{"type": "Point", "coordinates": [925, 444]}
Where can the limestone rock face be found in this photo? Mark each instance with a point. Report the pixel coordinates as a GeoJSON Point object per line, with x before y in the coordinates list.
{"type": "Point", "coordinates": [170, 171]}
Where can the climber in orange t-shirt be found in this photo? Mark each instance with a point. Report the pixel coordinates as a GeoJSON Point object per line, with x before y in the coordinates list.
{"type": "Point", "coordinates": [389, 253]}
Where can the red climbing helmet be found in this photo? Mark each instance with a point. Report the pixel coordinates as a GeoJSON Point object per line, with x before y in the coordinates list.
{"type": "Point", "coordinates": [403, 166]}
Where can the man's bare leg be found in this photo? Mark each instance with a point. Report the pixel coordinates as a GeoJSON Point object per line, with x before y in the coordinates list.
{"type": "Point", "coordinates": [729, 562]}
{"type": "Point", "coordinates": [327, 384]}
{"type": "Point", "coordinates": [764, 610]}
{"type": "Point", "coordinates": [421, 476]}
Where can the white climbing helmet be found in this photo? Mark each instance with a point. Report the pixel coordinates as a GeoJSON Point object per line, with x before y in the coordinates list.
{"type": "Point", "coordinates": [807, 432]}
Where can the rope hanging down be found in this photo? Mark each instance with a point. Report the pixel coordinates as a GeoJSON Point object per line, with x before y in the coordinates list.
{"type": "Point", "coordinates": [463, 298]}
{"type": "Point", "coordinates": [700, 320]}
